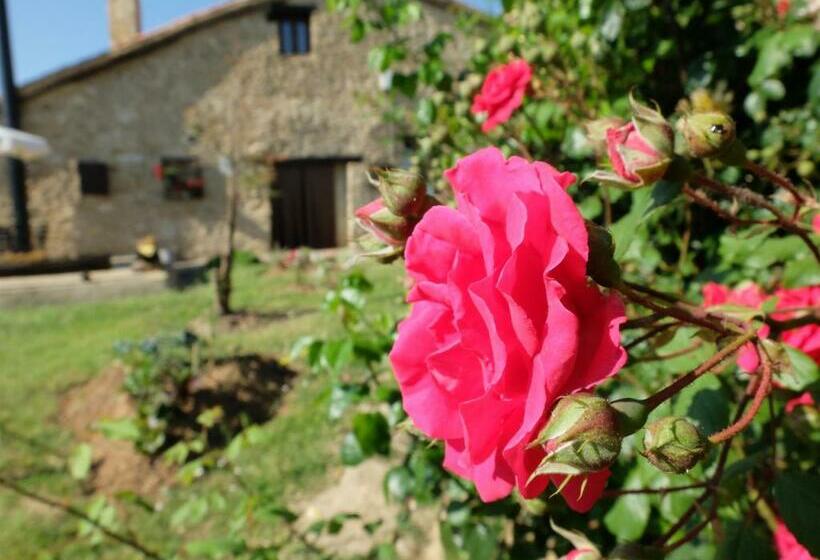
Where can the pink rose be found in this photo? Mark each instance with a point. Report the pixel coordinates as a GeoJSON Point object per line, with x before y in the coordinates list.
{"type": "Point", "coordinates": [815, 223]}
{"type": "Point", "coordinates": [805, 338]}
{"type": "Point", "coordinates": [749, 295]}
{"type": "Point", "coordinates": [782, 7]}
{"type": "Point", "coordinates": [503, 323]}
{"type": "Point", "coordinates": [582, 554]}
{"type": "Point", "coordinates": [502, 93]}
{"type": "Point", "coordinates": [787, 546]}
{"type": "Point", "coordinates": [803, 400]}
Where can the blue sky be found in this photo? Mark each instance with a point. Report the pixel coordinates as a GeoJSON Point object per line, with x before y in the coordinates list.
{"type": "Point", "coordinates": [49, 34]}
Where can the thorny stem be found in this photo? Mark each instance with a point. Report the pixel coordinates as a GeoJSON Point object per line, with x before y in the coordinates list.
{"type": "Point", "coordinates": [701, 199]}
{"type": "Point", "coordinates": [71, 510]}
{"type": "Point", "coordinates": [775, 178]}
{"type": "Point", "coordinates": [763, 386]}
{"type": "Point", "coordinates": [684, 381]}
{"type": "Point", "coordinates": [665, 490]}
{"type": "Point", "coordinates": [777, 327]}
{"type": "Point", "coordinates": [652, 333]}
{"type": "Point", "coordinates": [759, 201]}
{"type": "Point", "coordinates": [682, 352]}
{"type": "Point", "coordinates": [678, 310]}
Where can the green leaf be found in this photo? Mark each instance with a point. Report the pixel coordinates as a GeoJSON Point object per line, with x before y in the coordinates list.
{"type": "Point", "coordinates": [706, 402]}
{"type": "Point", "coordinates": [79, 464]}
{"type": "Point", "coordinates": [801, 372]}
{"type": "Point", "coordinates": [123, 429]}
{"type": "Point", "coordinates": [372, 432]}
{"type": "Point", "coordinates": [628, 517]}
{"type": "Point", "coordinates": [798, 498]}
{"type": "Point", "coordinates": [745, 541]}
{"type": "Point", "coordinates": [352, 453]}
{"type": "Point", "coordinates": [217, 547]}
{"type": "Point", "coordinates": [625, 229]}
{"type": "Point", "coordinates": [398, 483]}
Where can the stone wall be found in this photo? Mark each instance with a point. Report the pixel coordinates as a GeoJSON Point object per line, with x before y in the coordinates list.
{"type": "Point", "coordinates": [175, 100]}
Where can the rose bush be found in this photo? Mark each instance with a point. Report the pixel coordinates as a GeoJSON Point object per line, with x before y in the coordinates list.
{"type": "Point", "coordinates": [503, 323]}
{"type": "Point", "coordinates": [501, 93]}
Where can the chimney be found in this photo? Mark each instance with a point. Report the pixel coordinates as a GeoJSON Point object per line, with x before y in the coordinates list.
{"type": "Point", "coordinates": [123, 22]}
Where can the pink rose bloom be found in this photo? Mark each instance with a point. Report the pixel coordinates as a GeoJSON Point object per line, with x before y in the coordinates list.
{"type": "Point", "coordinates": [502, 93]}
{"type": "Point", "coordinates": [803, 400]}
{"type": "Point", "coordinates": [782, 7]}
{"type": "Point", "coordinates": [787, 546]}
{"type": "Point", "coordinates": [503, 323]}
{"type": "Point", "coordinates": [805, 338]}
{"type": "Point", "coordinates": [815, 223]}
{"type": "Point", "coordinates": [749, 295]}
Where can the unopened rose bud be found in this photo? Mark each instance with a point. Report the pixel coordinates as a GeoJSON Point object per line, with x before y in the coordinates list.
{"type": "Point", "coordinates": [707, 134]}
{"type": "Point", "coordinates": [674, 444]}
{"type": "Point", "coordinates": [633, 551]}
{"type": "Point", "coordinates": [640, 151]}
{"type": "Point", "coordinates": [601, 265]}
{"type": "Point", "coordinates": [581, 436]}
{"type": "Point", "coordinates": [404, 192]}
{"type": "Point", "coordinates": [382, 223]}
{"type": "Point", "coordinates": [596, 132]}
{"type": "Point", "coordinates": [583, 547]}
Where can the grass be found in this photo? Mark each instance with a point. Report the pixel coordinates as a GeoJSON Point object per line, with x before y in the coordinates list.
{"type": "Point", "coordinates": [46, 350]}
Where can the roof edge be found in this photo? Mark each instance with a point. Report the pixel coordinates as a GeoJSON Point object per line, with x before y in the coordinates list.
{"type": "Point", "coordinates": [165, 35]}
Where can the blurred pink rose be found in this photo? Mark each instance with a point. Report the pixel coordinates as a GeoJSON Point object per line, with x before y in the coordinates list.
{"type": "Point", "coordinates": [805, 338]}
{"type": "Point", "coordinates": [503, 323]}
{"type": "Point", "coordinates": [815, 223]}
{"type": "Point", "coordinates": [502, 93]}
{"type": "Point", "coordinates": [782, 7]}
{"type": "Point", "coordinates": [748, 295]}
{"type": "Point", "coordinates": [787, 546]}
{"type": "Point", "coordinates": [803, 400]}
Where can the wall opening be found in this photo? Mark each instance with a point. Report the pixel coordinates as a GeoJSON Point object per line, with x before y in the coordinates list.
{"type": "Point", "coordinates": [305, 204]}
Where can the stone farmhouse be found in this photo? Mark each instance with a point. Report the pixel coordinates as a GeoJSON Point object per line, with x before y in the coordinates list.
{"type": "Point", "coordinates": [144, 136]}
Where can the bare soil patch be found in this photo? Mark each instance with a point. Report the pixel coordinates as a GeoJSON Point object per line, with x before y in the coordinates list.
{"type": "Point", "coordinates": [247, 388]}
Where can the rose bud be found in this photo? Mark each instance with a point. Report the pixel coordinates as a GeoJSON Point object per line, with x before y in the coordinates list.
{"type": "Point", "coordinates": [707, 134]}
{"type": "Point", "coordinates": [596, 132]}
{"type": "Point", "coordinates": [640, 151]}
{"type": "Point", "coordinates": [403, 192]}
{"type": "Point", "coordinates": [674, 444]}
{"type": "Point", "coordinates": [581, 436]}
{"type": "Point", "coordinates": [583, 547]}
{"type": "Point", "coordinates": [382, 223]}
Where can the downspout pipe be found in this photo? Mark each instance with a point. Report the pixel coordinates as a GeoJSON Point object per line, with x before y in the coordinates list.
{"type": "Point", "coordinates": [11, 118]}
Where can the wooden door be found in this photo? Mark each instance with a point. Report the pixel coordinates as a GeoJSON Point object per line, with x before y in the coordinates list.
{"type": "Point", "coordinates": [304, 205]}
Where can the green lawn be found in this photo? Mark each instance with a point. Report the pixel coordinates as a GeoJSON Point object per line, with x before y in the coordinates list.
{"type": "Point", "coordinates": [46, 350]}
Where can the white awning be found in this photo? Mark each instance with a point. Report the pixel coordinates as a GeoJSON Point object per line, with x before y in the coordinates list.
{"type": "Point", "coordinates": [22, 145]}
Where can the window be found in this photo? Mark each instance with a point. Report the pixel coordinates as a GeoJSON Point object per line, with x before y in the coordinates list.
{"type": "Point", "coordinates": [294, 28]}
{"type": "Point", "coordinates": [181, 177]}
{"type": "Point", "coordinates": [93, 177]}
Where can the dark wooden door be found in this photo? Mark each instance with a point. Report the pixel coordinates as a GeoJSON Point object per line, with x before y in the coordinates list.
{"type": "Point", "coordinates": [304, 205]}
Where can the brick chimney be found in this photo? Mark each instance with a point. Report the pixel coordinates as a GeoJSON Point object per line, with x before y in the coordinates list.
{"type": "Point", "coordinates": [123, 22]}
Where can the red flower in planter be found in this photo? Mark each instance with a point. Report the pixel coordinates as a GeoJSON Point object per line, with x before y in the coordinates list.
{"type": "Point", "coordinates": [502, 93]}
{"type": "Point", "coordinates": [503, 323]}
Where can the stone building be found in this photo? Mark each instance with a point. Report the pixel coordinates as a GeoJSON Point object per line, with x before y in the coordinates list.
{"type": "Point", "coordinates": [144, 136]}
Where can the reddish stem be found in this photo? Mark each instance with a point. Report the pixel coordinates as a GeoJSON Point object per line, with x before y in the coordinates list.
{"type": "Point", "coordinates": [775, 178]}
{"type": "Point", "coordinates": [763, 386]}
